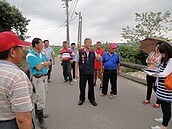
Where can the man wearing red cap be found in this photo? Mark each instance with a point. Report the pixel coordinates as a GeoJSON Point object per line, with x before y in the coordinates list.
{"type": "Point", "coordinates": [15, 87]}
{"type": "Point", "coordinates": [111, 64]}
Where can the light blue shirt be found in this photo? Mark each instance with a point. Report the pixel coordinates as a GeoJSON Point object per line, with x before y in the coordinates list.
{"type": "Point", "coordinates": [49, 52]}
{"type": "Point", "coordinates": [34, 60]}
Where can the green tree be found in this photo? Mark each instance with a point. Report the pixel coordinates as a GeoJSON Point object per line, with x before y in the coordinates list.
{"type": "Point", "coordinates": [149, 25]}
{"type": "Point", "coordinates": [12, 19]}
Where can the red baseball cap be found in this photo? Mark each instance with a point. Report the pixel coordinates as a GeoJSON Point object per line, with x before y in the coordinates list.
{"type": "Point", "coordinates": [9, 40]}
{"type": "Point", "coordinates": [112, 45]}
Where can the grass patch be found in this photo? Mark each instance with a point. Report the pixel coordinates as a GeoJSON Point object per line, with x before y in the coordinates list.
{"type": "Point", "coordinates": [56, 50]}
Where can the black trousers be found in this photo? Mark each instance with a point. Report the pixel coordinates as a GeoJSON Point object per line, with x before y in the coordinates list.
{"type": "Point", "coordinates": [67, 70]}
{"type": "Point", "coordinates": [151, 85]}
{"type": "Point", "coordinates": [166, 111]}
{"type": "Point", "coordinates": [82, 84]}
{"type": "Point", "coordinates": [50, 69]}
{"type": "Point", "coordinates": [112, 75]}
{"type": "Point", "coordinates": [73, 69]}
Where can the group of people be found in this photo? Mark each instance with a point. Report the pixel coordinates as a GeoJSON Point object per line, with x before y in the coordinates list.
{"type": "Point", "coordinates": [161, 60]}
{"type": "Point", "coordinates": [16, 89]}
{"type": "Point", "coordinates": [88, 65]}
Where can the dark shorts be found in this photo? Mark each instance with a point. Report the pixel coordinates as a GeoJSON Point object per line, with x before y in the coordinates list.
{"type": "Point", "coordinates": [12, 124]}
{"type": "Point", "coordinates": [9, 124]}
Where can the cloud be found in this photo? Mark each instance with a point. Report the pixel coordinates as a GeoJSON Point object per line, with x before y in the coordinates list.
{"type": "Point", "coordinates": [102, 19]}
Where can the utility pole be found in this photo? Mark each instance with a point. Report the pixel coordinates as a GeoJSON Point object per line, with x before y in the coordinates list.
{"type": "Point", "coordinates": [67, 21]}
{"type": "Point", "coordinates": [79, 30]}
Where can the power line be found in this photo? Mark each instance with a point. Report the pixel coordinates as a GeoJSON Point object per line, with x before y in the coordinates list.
{"type": "Point", "coordinates": [43, 27]}
{"type": "Point", "coordinates": [71, 5]}
{"type": "Point", "coordinates": [58, 30]}
{"type": "Point", "coordinates": [74, 9]}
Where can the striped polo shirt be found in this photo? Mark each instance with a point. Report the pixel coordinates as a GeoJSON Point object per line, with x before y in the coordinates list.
{"type": "Point", "coordinates": [162, 92]}
{"type": "Point", "coordinates": [15, 91]}
{"type": "Point", "coordinates": [65, 53]}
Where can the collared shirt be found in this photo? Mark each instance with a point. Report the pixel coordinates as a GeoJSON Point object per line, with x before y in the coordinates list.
{"type": "Point", "coordinates": [76, 59]}
{"type": "Point", "coordinates": [49, 52]}
{"type": "Point", "coordinates": [34, 60]}
{"type": "Point", "coordinates": [73, 53]}
{"type": "Point", "coordinates": [15, 91]}
{"type": "Point", "coordinates": [65, 53]}
{"type": "Point", "coordinates": [110, 62]}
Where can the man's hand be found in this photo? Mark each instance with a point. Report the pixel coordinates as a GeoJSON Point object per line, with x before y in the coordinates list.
{"type": "Point", "coordinates": [46, 63]}
{"type": "Point", "coordinates": [71, 61]}
{"type": "Point", "coordinates": [99, 56]}
{"type": "Point", "coordinates": [76, 75]}
{"type": "Point", "coordinates": [119, 71]}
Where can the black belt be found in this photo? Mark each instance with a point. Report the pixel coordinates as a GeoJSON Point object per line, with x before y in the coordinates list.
{"type": "Point", "coordinates": [39, 75]}
{"type": "Point", "coordinates": [112, 70]}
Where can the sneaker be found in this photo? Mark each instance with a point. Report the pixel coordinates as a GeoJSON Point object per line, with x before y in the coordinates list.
{"type": "Point", "coordinates": [102, 94]}
{"type": "Point", "coordinates": [111, 96]}
{"type": "Point", "coordinates": [71, 83]}
{"type": "Point", "coordinates": [100, 87]}
{"type": "Point", "coordinates": [74, 80]}
{"type": "Point", "coordinates": [49, 80]}
{"type": "Point", "coordinates": [159, 120]}
{"type": "Point", "coordinates": [65, 81]}
{"type": "Point", "coordinates": [155, 127]}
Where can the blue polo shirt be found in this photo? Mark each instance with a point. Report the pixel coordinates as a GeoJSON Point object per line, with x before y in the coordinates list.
{"type": "Point", "coordinates": [34, 59]}
{"type": "Point", "coordinates": [110, 62]}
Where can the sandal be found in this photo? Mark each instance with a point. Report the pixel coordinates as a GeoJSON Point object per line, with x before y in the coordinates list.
{"type": "Point", "coordinates": [146, 102]}
{"type": "Point", "coordinates": [155, 105]}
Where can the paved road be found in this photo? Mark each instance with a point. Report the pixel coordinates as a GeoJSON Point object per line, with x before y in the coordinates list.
{"type": "Point", "coordinates": [126, 111]}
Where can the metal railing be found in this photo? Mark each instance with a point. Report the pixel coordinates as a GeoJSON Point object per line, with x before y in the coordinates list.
{"type": "Point", "coordinates": [136, 67]}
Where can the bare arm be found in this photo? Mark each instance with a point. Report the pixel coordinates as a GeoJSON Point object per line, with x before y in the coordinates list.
{"type": "Point", "coordinates": [119, 68]}
{"type": "Point", "coordinates": [42, 65]}
{"type": "Point", "coordinates": [39, 67]}
{"type": "Point", "coordinates": [24, 120]}
{"type": "Point", "coordinates": [76, 70]}
{"type": "Point", "coordinates": [148, 58]}
{"type": "Point", "coordinates": [167, 70]}
{"type": "Point", "coordinates": [53, 60]}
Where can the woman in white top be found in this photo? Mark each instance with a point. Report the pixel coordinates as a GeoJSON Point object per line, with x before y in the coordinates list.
{"type": "Point", "coordinates": [164, 95]}
{"type": "Point", "coordinates": [153, 62]}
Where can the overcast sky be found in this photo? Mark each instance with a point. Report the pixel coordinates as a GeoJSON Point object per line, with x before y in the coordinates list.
{"type": "Point", "coordinates": [102, 19]}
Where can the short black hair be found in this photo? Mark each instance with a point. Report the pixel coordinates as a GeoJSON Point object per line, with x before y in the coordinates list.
{"type": "Point", "coordinates": [86, 39]}
{"type": "Point", "coordinates": [64, 42]}
{"type": "Point", "coordinates": [45, 41]}
{"type": "Point", "coordinates": [98, 42]}
{"type": "Point", "coordinates": [4, 54]}
{"type": "Point", "coordinates": [73, 44]}
{"type": "Point", "coordinates": [35, 41]}
{"type": "Point", "coordinates": [165, 48]}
